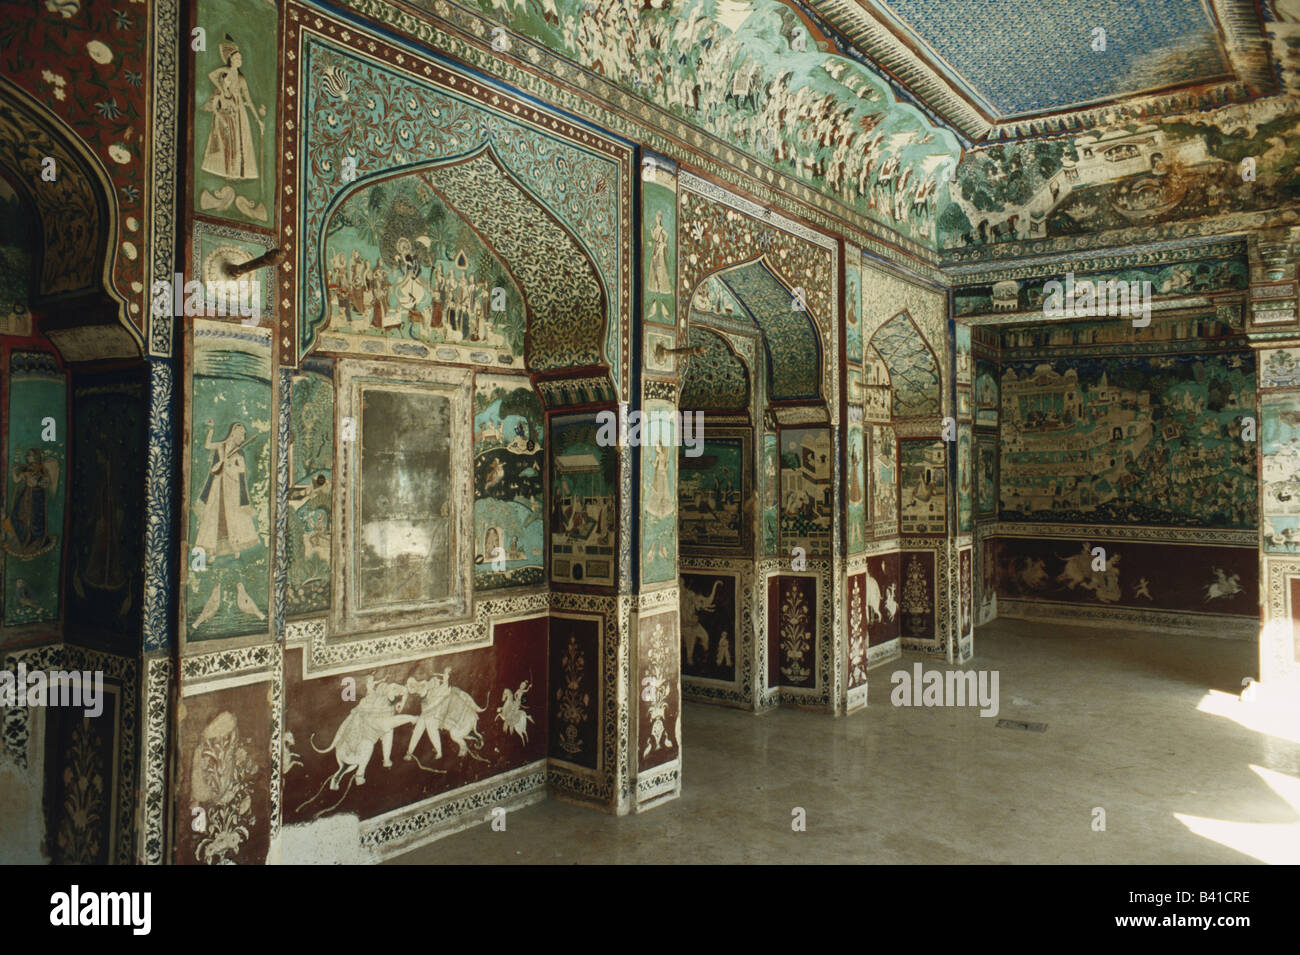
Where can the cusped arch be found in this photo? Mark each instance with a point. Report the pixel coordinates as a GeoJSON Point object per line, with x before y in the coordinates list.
{"type": "Point", "coordinates": [76, 214]}
{"type": "Point", "coordinates": [715, 377]}
{"type": "Point", "coordinates": [791, 342]}
{"type": "Point", "coordinates": [565, 301]}
{"type": "Point", "coordinates": [912, 366]}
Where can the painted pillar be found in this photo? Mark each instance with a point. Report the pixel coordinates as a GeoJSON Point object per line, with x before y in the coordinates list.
{"type": "Point", "coordinates": [1275, 334]}
{"type": "Point", "coordinates": [655, 730]}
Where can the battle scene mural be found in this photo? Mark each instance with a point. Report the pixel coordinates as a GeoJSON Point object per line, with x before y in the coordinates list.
{"type": "Point", "coordinates": [1155, 440]}
{"type": "Point", "coordinates": [1168, 577]}
{"type": "Point", "coordinates": [372, 741]}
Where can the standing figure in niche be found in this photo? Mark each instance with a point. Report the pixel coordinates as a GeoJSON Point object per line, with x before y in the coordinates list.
{"type": "Point", "coordinates": [26, 529]}
{"type": "Point", "coordinates": [229, 152]}
{"type": "Point", "coordinates": [660, 283]}
{"type": "Point", "coordinates": [228, 524]}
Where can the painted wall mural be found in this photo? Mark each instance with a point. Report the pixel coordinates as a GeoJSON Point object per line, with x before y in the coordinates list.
{"type": "Point", "coordinates": [1280, 471]}
{"type": "Point", "coordinates": [106, 496]}
{"type": "Point", "coordinates": [15, 263]}
{"type": "Point", "coordinates": [227, 584]}
{"type": "Point", "coordinates": [913, 369]}
{"type": "Point", "coordinates": [806, 492]}
{"type": "Point", "coordinates": [965, 492]}
{"type": "Point", "coordinates": [852, 306]}
{"type": "Point", "coordinates": [918, 596]}
{"type": "Point", "coordinates": [856, 492]}
{"type": "Point", "coordinates": [509, 499]}
{"type": "Point", "coordinates": [400, 263]}
{"type": "Point", "coordinates": [792, 617]}
{"type": "Point", "coordinates": [584, 502]}
{"type": "Point", "coordinates": [309, 499]}
{"type": "Point", "coordinates": [738, 72]}
{"type": "Point", "coordinates": [987, 401]}
{"type": "Point", "coordinates": [770, 527]}
{"type": "Point", "coordinates": [659, 723]}
{"type": "Point", "coordinates": [1167, 281]}
{"type": "Point", "coordinates": [559, 236]}
{"type": "Point", "coordinates": [986, 474]}
{"type": "Point", "coordinates": [1138, 575]}
{"type": "Point", "coordinates": [660, 492]}
{"type": "Point", "coordinates": [659, 245]}
{"type": "Point", "coordinates": [1135, 175]}
{"type": "Point", "coordinates": [85, 821]}
{"type": "Point", "coordinates": [32, 530]}
{"type": "Point", "coordinates": [710, 625]}
{"type": "Point", "coordinates": [962, 348]}
{"type": "Point", "coordinates": [716, 379]}
{"type": "Point", "coordinates": [225, 777]}
{"type": "Point", "coordinates": [881, 599]}
{"type": "Point", "coordinates": [884, 481]}
{"type": "Point", "coordinates": [922, 486]}
{"type": "Point", "coordinates": [89, 70]}
{"type": "Point", "coordinates": [714, 491]}
{"type": "Point", "coordinates": [372, 741]}
{"type": "Point", "coordinates": [855, 621]}
{"type": "Point", "coordinates": [235, 124]}
{"type": "Point", "coordinates": [1123, 439]}
{"type": "Point", "coordinates": [575, 690]}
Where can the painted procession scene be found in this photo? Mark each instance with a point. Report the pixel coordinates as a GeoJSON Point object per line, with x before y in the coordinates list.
{"type": "Point", "coordinates": [748, 71]}
{"type": "Point", "coordinates": [1153, 440]}
{"type": "Point", "coordinates": [509, 516]}
{"type": "Point", "coordinates": [400, 263]}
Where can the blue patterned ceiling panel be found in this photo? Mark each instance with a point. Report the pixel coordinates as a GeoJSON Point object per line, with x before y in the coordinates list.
{"type": "Point", "coordinates": [1021, 57]}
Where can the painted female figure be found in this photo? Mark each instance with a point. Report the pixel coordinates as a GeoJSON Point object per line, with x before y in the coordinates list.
{"type": "Point", "coordinates": [228, 524]}
{"type": "Point", "coordinates": [855, 486]}
{"type": "Point", "coordinates": [660, 283]}
{"type": "Point", "coordinates": [230, 152]}
{"type": "Point", "coordinates": [26, 531]}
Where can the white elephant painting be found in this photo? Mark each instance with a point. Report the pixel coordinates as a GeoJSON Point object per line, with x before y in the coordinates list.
{"type": "Point", "coordinates": [444, 707]}
{"type": "Point", "coordinates": [371, 721]}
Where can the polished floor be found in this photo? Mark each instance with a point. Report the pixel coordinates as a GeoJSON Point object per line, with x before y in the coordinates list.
{"type": "Point", "coordinates": [1145, 726]}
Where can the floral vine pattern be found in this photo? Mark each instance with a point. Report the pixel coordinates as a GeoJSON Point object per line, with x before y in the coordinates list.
{"type": "Point", "coordinates": [796, 641]}
{"type": "Point", "coordinates": [573, 702]}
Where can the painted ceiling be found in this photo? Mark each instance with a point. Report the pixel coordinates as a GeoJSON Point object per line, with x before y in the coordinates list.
{"type": "Point", "coordinates": [1019, 57]}
{"type": "Point", "coordinates": [1004, 69]}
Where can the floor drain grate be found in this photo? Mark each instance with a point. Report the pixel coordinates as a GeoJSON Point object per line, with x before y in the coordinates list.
{"type": "Point", "coordinates": [1020, 725]}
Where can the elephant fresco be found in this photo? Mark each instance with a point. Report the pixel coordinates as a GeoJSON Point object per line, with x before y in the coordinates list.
{"type": "Point", "coordinates": [371, 721]}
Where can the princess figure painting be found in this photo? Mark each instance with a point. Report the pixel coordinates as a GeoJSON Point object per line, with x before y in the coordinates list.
{"type": "Point", "coordinates": [26, 531]}
{"type": "Point", "coordinates": [229, 152]}
{"type": "Point", "coordinates": [227, 524]}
